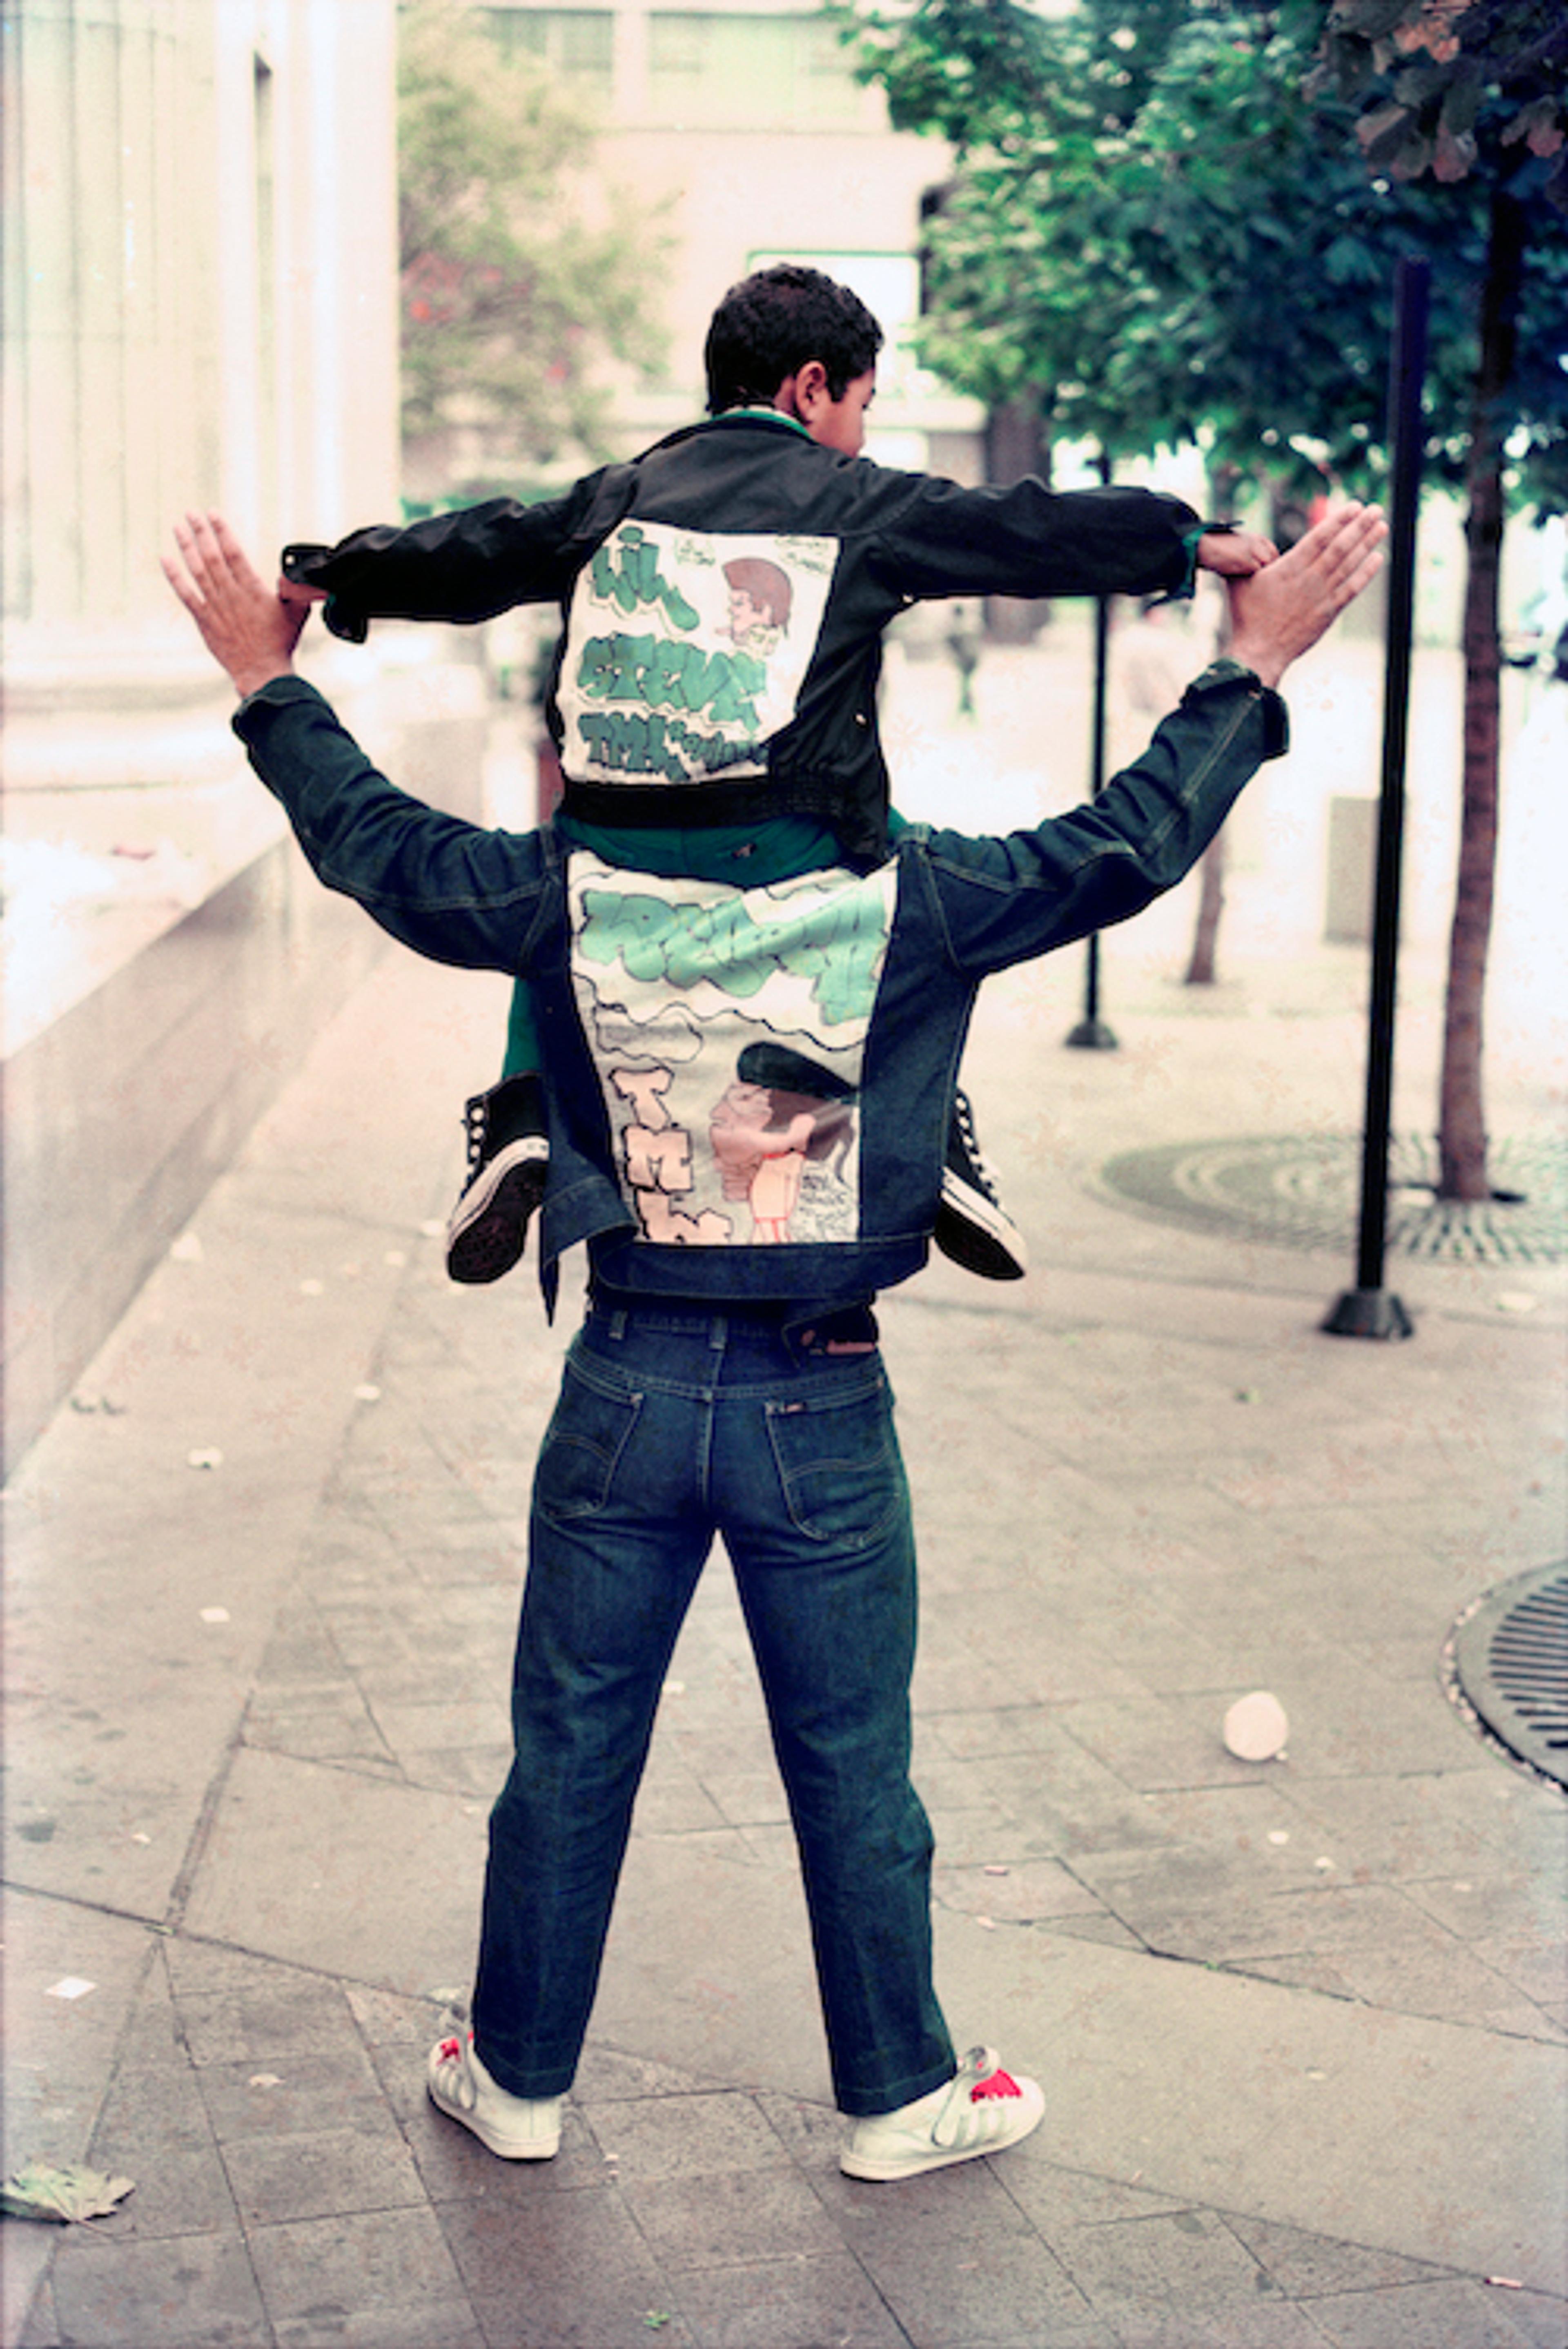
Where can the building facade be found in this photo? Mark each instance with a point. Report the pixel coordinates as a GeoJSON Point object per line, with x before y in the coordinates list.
{"type": "Point", "coordinates": [201, 310]}
{"type": "Point", "coordinates": [743, 128]}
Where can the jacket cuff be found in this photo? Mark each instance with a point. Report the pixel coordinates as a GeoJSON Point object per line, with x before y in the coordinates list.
{"type": "Point", "coordinates": [1223, 676]}
{"type": "Point", "coordinates": [302, 563]}
{"type": "Point", "coordinates": [277, 693]}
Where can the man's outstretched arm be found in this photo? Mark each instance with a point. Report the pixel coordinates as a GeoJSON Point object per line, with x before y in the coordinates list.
{"type": "Point", "coordinates": [1008, 899]}
{"type": "Point", "coordinates": [448, 889]}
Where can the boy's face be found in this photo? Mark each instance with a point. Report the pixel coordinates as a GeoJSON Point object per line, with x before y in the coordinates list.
{"type": "Point", "coordinates": [841, 424]}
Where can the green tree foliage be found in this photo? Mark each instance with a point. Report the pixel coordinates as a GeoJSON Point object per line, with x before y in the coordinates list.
{"type": "Point", "coordinates": [1162, 230]}
{"type": "Point", "coordinates": [521, 272]}
{"type": "Point", "coordinates": [1178, 220]}
{"type": "Point", "coordinates": [1445, 85]}
{"type": "Point", "coordinates": [1475, 97]}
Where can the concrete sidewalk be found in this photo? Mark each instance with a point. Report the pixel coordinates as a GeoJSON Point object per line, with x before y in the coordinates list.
{"type": "Point", "coordinates": [1302, 2024]}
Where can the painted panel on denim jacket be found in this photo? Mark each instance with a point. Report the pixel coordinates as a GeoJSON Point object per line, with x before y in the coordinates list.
{"type": "Point", "coordinates": [686, 651]}
{"type": "Point", "coordinates": [728, 1027]}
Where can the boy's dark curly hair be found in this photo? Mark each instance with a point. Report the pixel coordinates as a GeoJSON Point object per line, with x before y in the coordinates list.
{"type": "Point", "coordinates": [769, 325]}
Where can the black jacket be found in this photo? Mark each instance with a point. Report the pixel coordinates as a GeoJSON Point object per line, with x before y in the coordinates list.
{"type": "Point", "coordinates": [724, 599]}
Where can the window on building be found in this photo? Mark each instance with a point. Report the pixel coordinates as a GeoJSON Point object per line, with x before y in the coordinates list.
{"type": "Point", "coordinates": [578, 43]}
{"type": "Point", "coordinates": [712, 72]}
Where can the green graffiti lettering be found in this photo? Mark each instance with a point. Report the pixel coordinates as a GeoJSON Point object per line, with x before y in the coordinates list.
{"type": "Point", "coordinates": [734, 702]}
{"type": "Point", "coordinates": [595, 668]}
{"type": "Point", "coordinates": [637, 582]}
{"type": "Point", "coordinates": [595, 734]}
{"type": "Point", "coordinates": [844, 963]}
{"type": "Point", "coordinates": [657, 674]}
{"type": "Point", "coordinates": [838, 948]}
{"type": "Point", "coordinates": [632, 928]}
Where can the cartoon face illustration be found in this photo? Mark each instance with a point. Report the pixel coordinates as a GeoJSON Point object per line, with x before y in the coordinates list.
{"type": "Point", "coordinates": [762, 1134]}
{"type": "Point", "coordinates": [728, 1027]}
{"type": "Point", "coordinates": [760, 602]}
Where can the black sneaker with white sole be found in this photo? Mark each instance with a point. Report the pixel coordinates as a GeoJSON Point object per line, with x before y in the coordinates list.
{"type": "Point", "coordinates": [973, 1226]}
{"type": "Point", "coordinates": [509, 1159]}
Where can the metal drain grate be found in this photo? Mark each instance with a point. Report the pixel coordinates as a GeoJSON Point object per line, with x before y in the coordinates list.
{"type": "Point", "coordinates": [1305, 1191]}
{"type": "Point", "coordinates": [1511, 1661]}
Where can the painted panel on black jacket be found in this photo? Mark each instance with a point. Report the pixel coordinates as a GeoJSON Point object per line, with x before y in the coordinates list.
{"type": "Point", "coordinates": [686, 651]}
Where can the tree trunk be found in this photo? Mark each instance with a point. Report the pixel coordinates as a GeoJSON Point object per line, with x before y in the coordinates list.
{"type": "Point", "coordinates": [1202, 962]}
{"type": "Point", "coordinates": [1461, 1116]}
{"type": "Point", "coordinates": [1199, 971]}
{"type": "Point", "coordinates": [1016, 444]}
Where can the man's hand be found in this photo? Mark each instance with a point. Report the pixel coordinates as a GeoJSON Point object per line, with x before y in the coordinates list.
{"type": "Point", "coordinates": [1279, 611]}
{"type": "Point", "coordinates": [248, 631]}
{"type": "Point", "coordinates": [1235, 553]}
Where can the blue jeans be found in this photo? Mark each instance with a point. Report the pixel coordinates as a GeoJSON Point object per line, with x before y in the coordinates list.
{"type": "Point", "coordinates": [671, 1427]}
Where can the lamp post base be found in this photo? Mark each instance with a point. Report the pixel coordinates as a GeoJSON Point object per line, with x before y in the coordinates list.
{"type": "Point", "coordinates": [1093, 1036]}
{"type": "Point", "coordinates": [1369, 1313]}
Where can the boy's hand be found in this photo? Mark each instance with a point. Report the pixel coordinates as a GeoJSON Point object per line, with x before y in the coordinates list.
{"type": "Point", "coordinates": [1279, 611]}
{"type": "Point", "coordinates": [250, 632]}
{"type": "Point", "coordinates": [1235, 553]}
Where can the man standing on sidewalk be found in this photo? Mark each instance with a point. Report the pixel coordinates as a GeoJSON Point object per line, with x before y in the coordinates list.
{"type": "Point", "coordinates": [750, 1085]}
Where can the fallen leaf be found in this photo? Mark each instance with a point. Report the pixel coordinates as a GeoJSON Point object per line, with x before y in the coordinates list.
{"type": "Point", "coordinates": [38, 2190]}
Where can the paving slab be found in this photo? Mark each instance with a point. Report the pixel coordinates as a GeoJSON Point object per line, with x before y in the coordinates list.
{"type": "Point", "coordinates": [359, 1876]}
{"type": "Point", "coordinates": [1430, 2139]}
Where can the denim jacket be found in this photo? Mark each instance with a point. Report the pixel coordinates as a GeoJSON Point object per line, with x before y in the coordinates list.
{"type": "Point", "coordinates": [749, 1088]}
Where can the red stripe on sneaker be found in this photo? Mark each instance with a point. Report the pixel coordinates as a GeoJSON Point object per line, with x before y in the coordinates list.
{"type": "Point", "coordinates": [999, 2084]}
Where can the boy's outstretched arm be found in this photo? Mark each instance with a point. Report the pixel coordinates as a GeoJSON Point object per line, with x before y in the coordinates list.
{"type": "Point", "coordinates": [1279, 611]}
{"type": "Point", "coordinates": [250, 632]}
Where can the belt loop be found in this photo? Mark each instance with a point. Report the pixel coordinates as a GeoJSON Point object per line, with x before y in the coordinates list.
{"type": "Point", "coordinates": [618, 1324]}
{"type": "Point", "coordinates": [718, 1331]}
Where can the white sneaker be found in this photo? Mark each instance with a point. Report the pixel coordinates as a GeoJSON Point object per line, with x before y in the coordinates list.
{"type": "Point", "coordinates": [981, 2110]}
{"type": "Point", "coordinates": [518, 2128]}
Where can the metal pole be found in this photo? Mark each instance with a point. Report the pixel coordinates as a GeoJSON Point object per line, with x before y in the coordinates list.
{"type": "Point", "coordinates": [1369, 1309]}
{"type": "Point", "coordinates": [1091, 1034]}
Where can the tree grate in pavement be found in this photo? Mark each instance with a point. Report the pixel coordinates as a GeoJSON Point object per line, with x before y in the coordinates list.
{"type": "Point", "coordinates": [1305, 1191]}
{"type": "Point", "coordinates": [1509, 1657]}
